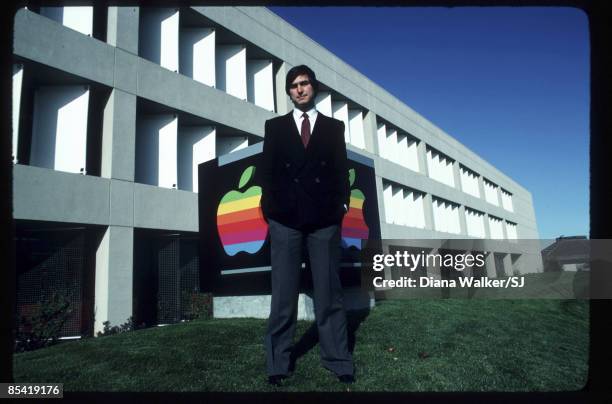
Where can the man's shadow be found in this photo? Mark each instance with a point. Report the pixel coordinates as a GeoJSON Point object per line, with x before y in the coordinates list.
{"type": "Point", "coordinates": [310, 338]}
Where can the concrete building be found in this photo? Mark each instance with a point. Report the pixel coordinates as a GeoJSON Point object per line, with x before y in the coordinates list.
{"type": "Point", "coordinates": [115, 107]}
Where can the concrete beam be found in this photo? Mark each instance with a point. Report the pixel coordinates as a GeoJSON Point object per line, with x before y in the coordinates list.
{"type": "Point", "coordinates": [49, 195]}
{"type": "Point", "coordinates": [122, 203]}
{"type": "Point", "coordinates": [37, 38]}
{"type": "Point", "coordinates": [162, 208]}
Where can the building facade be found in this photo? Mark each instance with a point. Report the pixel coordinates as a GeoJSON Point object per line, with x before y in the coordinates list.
{"type": "Point", "coordinates": [114, 108]}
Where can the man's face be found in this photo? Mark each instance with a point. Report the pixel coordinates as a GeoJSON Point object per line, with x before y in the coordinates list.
{"type": "Point", "coordinates": [301, 91]}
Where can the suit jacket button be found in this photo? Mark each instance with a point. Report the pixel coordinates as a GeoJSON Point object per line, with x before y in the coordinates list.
{"type": "Point", "coordinates": [287, 165]}
{"type": "Point", "coordinates": [323, 163]}
{"type": "Point", "coordinates": [317, 180]}
{"type": "Point", "coordinates": [296, 180]}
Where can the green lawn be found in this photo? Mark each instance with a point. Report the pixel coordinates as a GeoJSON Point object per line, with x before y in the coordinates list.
{"type": "Point", "coordinates": [402, 345]}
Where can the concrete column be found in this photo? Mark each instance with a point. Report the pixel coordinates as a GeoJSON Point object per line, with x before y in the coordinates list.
{"type": "Point", "coordinates": [381, 202]}
{"type": "Point", "coordinates": [434, 270]}
{"type": "Point", "coordinates": [501, 204]}
{"type": "Point", "coordinates": [462, 220]}
{"type": "Point", "coordinates": [114, 273]}
{"type": "Point", "coordinates": [122, 28]}
{"type": "Point", "coordinates": [508, 265]}
{"type": "Point", "coordinates": [481, 187]}
{"type": "Point", "coordinates": [119, 136]}
{"type": "Point", "coordinates": [516, 262]}
{"type": "Point", "coordinates": [428, 210]}
{"type": "Point", "coordinates": [283, 102]}
{"type": "Point", "coordinates": [490, 264]}
{"type": "Point", "coordinates": [457, 175]}
{"type": "Point", "coordinates": [504, 230]}
{"type": "Point", "coordinates": [422, 155]}
{"type": "Point", "coordinates": [486, 226]}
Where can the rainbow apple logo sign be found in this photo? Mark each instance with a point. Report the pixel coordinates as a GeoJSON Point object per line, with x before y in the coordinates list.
{"type": "Point", "coordinates": [240, 222]}
{"type": "Point", "coordinates": [354, 227]}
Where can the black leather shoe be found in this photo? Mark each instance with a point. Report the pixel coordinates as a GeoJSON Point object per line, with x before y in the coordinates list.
{"type": "Point", "coordinates": [346, 379]}
{"type": "Point", "coordinates": [275, 380]}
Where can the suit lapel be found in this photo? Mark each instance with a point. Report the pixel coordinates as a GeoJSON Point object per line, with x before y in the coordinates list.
{"type": "Point", "coordinates": [317, 133]}
{"type": "Point", "coordinates": [294, 140]}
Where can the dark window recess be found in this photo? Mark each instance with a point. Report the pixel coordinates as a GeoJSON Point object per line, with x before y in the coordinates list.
{"type": "Point", "coordinates": [168, 300]}
{"type": "Point", "coordinates": [500, 270]}
{"type": "Point", "coordinates": [26, 117]}
{"type": "Point", "coordinates": [100, 18]}
{"type": "Point", "coordinates": [98, 98]}
{"type": "Point", "coordinates": [34, 76]}
{"type": "Point", "coordinates": [56, 263]}
{"type": "Point", "coordinates": [176, 265]}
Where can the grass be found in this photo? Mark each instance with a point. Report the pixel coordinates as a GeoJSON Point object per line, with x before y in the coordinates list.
{"type": "Point", "coordinates": [402, 345]}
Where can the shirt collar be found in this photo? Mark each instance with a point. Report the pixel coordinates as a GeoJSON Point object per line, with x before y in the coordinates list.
{"type": "Point", "coordinates": [311, 113]}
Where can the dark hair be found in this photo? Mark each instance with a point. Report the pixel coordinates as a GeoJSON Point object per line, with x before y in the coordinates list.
{"type": "Point", "coordinates": [298, 71]}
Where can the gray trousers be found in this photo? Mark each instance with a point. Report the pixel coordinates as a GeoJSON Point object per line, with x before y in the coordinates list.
{"type": "Point", "coordinates": [324, 253]}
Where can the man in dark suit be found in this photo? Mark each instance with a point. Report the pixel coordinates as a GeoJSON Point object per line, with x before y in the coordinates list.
{"type": "Point", "coordinates": [305, 194]}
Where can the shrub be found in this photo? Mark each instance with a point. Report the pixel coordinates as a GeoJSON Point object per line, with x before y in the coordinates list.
{"type": "Point", "coordinates": [129, 325]}
{"type": "Point", "coordinates": [44, 325]}
{"type": "Point", "coordinates": [196, 305]}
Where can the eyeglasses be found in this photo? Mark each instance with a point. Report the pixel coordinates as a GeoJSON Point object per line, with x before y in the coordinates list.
{"type": "Point", "coordinates": [302, 83]}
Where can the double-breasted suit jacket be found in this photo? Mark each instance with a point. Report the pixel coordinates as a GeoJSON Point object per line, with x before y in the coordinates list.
{"type": "Point", "coordinates": [304, 188]}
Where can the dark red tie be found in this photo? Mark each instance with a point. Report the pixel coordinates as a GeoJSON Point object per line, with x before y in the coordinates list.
{"type": "Point", "coordinates": [305, 130]}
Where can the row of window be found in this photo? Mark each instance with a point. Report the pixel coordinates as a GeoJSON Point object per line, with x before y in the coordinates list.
{"type": "Point", "coordinates": [66, 131]}
{"type": "Point", "coordinates": [402, 148]}
{"type": "Point", "coordinates": [406, 207]}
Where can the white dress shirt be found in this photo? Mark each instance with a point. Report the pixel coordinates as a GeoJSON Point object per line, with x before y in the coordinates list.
{"type": "Point", "coordinates": [312, 117]}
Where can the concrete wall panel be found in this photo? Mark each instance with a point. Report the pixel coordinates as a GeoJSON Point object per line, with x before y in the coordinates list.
{"type": "Point", "coordinates": [48, 195]}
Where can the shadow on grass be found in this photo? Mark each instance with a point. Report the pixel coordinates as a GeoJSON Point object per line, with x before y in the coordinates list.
{"type": "Point", "coordinates": [310, 338]}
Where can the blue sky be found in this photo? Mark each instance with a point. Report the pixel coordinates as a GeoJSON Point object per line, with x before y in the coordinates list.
{"type": "Point", "coordinates": [511, 84]}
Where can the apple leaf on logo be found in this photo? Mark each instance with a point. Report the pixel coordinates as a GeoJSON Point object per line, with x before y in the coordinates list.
{"type": "Point", "coordinates": [246, 176]}
{"type": "Point", "coordinates": [351, 176]}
